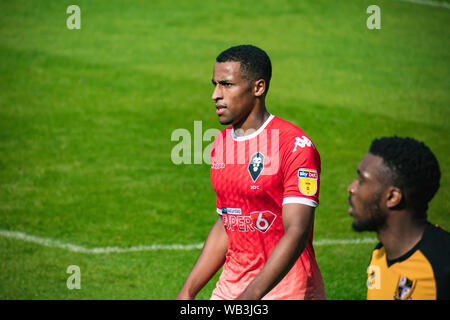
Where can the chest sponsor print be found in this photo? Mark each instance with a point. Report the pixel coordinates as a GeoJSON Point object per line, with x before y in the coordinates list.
{"type": "Point", "coordinates": [257, 220]}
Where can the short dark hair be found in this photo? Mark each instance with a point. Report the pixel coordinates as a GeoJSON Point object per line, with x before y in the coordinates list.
{"type": "Point", "coordinates": [255, 63]}
{"type": "Point", "coordinates": [413, 167]}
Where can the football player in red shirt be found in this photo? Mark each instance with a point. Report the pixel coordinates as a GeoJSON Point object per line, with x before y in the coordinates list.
{"type": "Point", "coordinates": [266, 173]}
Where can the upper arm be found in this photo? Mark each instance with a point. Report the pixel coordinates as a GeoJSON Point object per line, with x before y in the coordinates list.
{"type": "Point", "coordinates": [218, 230]}
{"type": "Point", "coordinates": [298, 218]}
{"type": "Point", "coordinates": [301, 169]}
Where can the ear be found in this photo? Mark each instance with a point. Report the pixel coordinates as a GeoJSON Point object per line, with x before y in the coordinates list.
{"type": "Point", "coordinates": [259, 87]}
{"type": "Point", "coordinates": [394, 197]}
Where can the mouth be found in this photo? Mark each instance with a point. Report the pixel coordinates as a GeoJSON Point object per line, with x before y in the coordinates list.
{"type": "Point", "coordinates": [350, 209]}
{"type": "Point", "coordinates": [220, 109]}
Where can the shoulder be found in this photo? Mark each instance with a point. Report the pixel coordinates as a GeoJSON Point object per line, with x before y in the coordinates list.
{"type": "Point", "coordinates": [378, 255]}
{"type": "Point", "coordinates": [221, 136]}
{"type": "Point", "coordinates": [436, 241]}
{"type": "Point", "coordinates": [290, 135]}
{"type": "Point", "coordinates": [286, 127]}
{"type": "Point", "coordinates": [223, 132]}
{"type": "Point", "coordinates": [378, 251]}
{"type": "Point", "coordinates": [378, 246]}
{"type": "Point", "coordinates": [436, 237]}
{"type": "Point", "coordinates": [295, 146]}
{"type": "Point", "coordinates": [435, 246]}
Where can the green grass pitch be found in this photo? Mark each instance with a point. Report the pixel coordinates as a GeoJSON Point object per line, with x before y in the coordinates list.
{"type": "Point", "coordinates": [86, 118]}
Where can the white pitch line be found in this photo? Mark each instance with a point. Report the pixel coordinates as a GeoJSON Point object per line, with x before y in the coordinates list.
{"type": "Point", "coordinates": [429, 3]}
{"type": "Point", "coordinates": [77, 248]}
{"type": "Point", "coordinates": [154, 247]}
{"type": "Point", "coordinates": [326, 242]}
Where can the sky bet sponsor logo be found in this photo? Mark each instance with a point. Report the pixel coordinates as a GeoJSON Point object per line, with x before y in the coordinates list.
{"type": "Point", "coordinates": [257, 220]}
{"type": "Point", "coordinates": [307, 181]}
{"type": "Point", "coordinates": [307, 173]}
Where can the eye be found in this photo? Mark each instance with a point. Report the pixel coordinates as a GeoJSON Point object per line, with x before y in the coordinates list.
{"type": "Point", "coordinates": [225, 83]}
{"type": "Point", "coordinates": [360, 179]}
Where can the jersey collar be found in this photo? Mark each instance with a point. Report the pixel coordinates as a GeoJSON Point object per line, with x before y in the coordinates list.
{"type": "Point", "coordinates": [253, 134]}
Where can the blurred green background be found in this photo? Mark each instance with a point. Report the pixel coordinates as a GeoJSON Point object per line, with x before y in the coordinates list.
{"type": "Point", "coordinates": [86, 118]}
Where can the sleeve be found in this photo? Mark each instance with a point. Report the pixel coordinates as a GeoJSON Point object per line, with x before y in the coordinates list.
{"type": "Point", "coordinates": [301, 172]}
{"type": "Point", "coordinates": [216, 159]}
{"type": "Point", "coordinates": [218, 206]}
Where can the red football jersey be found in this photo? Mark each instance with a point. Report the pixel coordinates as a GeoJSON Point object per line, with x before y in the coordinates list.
{"type": "Point", "coordinates": [254, 176]}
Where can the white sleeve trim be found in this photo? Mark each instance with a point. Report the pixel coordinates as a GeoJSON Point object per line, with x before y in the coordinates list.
{"type": "Point", "coordinates": [219, 211]}
{"type": "Point", "coordinates": [300, 200]}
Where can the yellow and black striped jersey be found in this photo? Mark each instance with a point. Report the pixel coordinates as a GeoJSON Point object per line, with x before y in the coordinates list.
{"type": "Point", "coordinates": [423, 273]}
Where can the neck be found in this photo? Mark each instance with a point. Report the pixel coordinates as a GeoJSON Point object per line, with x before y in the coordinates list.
{"type": "Point", "coordinates": [253, 121]}
{"type": "Point", "coordinates": [401, 234]}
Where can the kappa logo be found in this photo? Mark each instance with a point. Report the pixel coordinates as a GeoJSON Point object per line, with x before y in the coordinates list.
{"type": "Point", "coordinates": [256, 166]}
{"type": "Point", "coordinates": [302, 143]}
{"type": "Point", "coordinates": [217, 165]}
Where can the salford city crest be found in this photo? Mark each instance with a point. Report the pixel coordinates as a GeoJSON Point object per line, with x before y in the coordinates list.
{"type": "Point", "coordinates": [256, 165]}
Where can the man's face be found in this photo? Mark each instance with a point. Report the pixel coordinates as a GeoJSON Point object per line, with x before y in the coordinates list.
{"type": "Point", "coordinates": [365, 195]}
{"type": "Point", "coordinates": [232, 93]}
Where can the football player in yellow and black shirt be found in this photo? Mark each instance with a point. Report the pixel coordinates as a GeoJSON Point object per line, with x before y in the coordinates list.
{"type": "Point", "coordinates": [396, 180]}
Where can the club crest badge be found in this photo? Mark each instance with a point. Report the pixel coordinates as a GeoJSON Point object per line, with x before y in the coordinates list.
{"type": "Point", "coordinates": [256, 165]}
{"type": "Point", "coordinates": [405, 288]}
{"type": "Point", "coordinates": [307, 181]}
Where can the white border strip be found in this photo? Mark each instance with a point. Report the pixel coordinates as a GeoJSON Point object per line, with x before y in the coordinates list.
{"type": "Point", "coordinates": [430, 3]}
{"type": "Point", "coordinates": [300, 200]}
{"type": "Point", "coordinates": [331, 242]}
{"type": "Point", "coordinates": [154, 247]}
{"type": "Point", "coordinates": [76, 248]}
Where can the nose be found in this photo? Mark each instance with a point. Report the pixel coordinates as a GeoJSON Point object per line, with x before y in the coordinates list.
{"type": "Point", "coordinates": [351, 187]}
{"type": "Point", "coordinates": [217, 93]}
